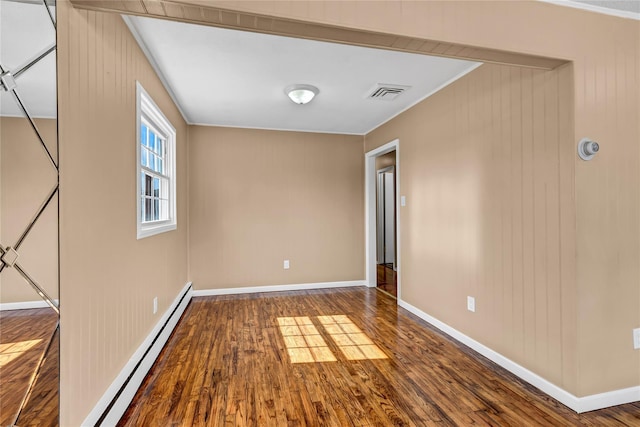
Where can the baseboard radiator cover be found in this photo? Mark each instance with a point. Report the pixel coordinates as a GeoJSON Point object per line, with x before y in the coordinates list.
{"type": "Point", "coordinates": [116, 399]}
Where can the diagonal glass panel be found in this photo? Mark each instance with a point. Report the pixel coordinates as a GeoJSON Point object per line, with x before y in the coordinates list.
{"type": "Point", "coordinates": [38, 254]}
{"type": "Point", "coordinates": [51, 10]}
{"type": "Point", "coordinates": [33, 97]}
{"type": "Point", "coordinates": [25, 30]}
{"type": "Point", "coordinates": [27, 177]}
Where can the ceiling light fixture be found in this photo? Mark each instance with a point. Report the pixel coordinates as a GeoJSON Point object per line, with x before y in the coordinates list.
{"type": "Point", "coordinates": [301, 94]}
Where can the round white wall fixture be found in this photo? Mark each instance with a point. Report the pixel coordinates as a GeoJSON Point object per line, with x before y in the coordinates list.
{"type": "Point", "coordinates": [587, 148]}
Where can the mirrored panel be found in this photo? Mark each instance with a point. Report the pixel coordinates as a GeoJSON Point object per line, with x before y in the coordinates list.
{"type": "Point", "coordinates": [29, 286]}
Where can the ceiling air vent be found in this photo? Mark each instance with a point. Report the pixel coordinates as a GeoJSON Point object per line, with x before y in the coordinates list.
{"type": "Point", "coordinates": [386, 92]}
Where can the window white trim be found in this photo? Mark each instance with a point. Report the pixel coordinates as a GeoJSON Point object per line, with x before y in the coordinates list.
{"type": "Point", "coordinates": [147, 108]}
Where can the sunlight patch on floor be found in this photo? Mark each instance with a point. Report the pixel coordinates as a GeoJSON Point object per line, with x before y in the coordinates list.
{"type": "Point", "coordinates": [13, 350]}
{"type": "Point", "coordinates": [305, 344]}
{"type": "Point", "coordinates": [353, 343]}
{"type": "Point", "coordinates": [303, 341]}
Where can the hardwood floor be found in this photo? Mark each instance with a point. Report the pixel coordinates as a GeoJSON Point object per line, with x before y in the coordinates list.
{"type": "Point", "coordinates": [229, 362]}
{"type": "Point", "coordinates": [24, 335]}
{"type": "Point", "coordinates": [387, 279]}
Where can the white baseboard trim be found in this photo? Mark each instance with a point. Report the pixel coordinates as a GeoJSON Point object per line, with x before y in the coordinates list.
{"type": "Point", "coordinates": [276, 288]}
{"type": "Point", "coordinates": [610, 398]}
{"type": "Point", "coordinates": [115, 401]}
{"type": "Point", "coordinates": [578, 404]}
{"type": "Point", "coordinates": [24, 305]}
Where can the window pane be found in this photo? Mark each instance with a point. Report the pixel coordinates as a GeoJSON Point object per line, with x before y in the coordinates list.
{"type": "Point", "coordinates": [156, 187]}
{"type": "Point", "coordinates": [155, 143]}
{"type": "Point", "coordinates": [159, 165]}
{"type": "Point", "coordinates": [148, 206]}
{"type": "Point", "coordinates": [148, 185]}
{"type": "Point", "coordinates": [142, 209]}
{"type": "Point", "coordinates": [161, 147]}
{"type": "Point", "coordinates": [143, 156]}
{"type": "Point", "coordinates": [143, 134]}
{"type": "Point", "coordinates": [164, 189]}
{"type": "Point", "coordinates": [156, 209]}
{"type": "Point", "coordinates": [164, 209]}
{"type": "Point", "coordinates": [152, 140]}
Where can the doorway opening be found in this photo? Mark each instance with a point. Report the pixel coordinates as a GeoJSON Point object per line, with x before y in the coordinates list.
{"type": "Point", "coordinates": [382, 185]}
{"type": "Point", "coordinates": [386, 223]}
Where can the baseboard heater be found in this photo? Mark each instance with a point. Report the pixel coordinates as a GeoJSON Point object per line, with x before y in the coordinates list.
{"type": "Point", "coordinates": [119, 395]}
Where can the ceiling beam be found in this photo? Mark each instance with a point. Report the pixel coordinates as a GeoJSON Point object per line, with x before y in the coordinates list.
{"type": "Point", "coordinates": [214, 16]}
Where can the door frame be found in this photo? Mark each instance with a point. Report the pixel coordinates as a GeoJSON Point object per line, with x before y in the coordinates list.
{"type": "Point", "coordinates": [370, 180]}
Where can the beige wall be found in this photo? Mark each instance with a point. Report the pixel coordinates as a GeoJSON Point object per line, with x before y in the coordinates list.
{"type": "Point", "coordinates": [386, 160]}
{"type": "Point", "coordinates": [108, 278]}
{"type": "Point", "coordinates": [485, 166]}
{"type": "Point", "coordinates": [259, 197]}
{"type": "Point", "coordinates": [26, 181]}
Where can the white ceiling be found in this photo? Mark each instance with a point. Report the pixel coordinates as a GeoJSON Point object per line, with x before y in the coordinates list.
{"type": "Point", "coordinates": [26, 31]}
{"type": "Point", "coordinates": [632, 6]}
{"type": "Point", "coordinates": [234, 78]}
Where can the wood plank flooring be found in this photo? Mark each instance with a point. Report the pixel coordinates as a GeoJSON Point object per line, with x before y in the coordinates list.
{"type": "Point", "coordinates": [24, 335]}
{"type": "Point", "coordinates": [229, 363]}
{"type": "Point", "coordinates": [387, 279]}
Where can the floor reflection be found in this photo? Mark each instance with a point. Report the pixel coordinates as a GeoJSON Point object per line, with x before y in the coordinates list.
{"type": "Point", "coordinates": [387, 279]}
{"type": "Point", "coordinates": [25, 336]}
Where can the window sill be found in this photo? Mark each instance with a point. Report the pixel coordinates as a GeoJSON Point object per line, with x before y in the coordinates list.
{"type": "Point", "coordinates": [153, 229]}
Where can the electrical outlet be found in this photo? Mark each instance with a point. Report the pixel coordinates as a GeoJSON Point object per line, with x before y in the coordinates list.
{"type": "Point", "coordinates": [286, 264]}
{"type": "Point", "coordinates": [471, 304]}
{"type": "Point", "coordinates": [155, 305]}
{"type": "Point", "coordinates": [636, 339]}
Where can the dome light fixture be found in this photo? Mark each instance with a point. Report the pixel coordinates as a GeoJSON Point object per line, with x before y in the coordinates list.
{"type": "Point", "coordinates": [301, 94]}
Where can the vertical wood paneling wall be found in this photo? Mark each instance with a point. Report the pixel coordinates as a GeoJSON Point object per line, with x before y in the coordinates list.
{"type": "Point", "coordinates": [608, 214]}
{"type": "Point", "coordinates": [108, 277]}
{"type": "Point", "coordinates": [485, 165]}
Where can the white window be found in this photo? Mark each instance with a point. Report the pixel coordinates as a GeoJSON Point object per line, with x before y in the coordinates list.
{"type": "Point", "coordinates": [156, 148]}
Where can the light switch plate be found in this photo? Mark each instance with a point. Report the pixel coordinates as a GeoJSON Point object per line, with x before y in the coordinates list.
{"type": "Point", "coordinates": [636, 338]}
{"type": "Point", "coordinates": [286, 264]}
{"type": "Point", "coordinates": [403, 201]}
{"type": "Point", "coordinates": [471, 304]}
